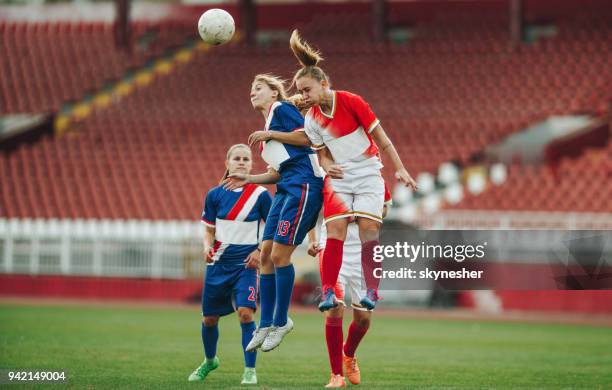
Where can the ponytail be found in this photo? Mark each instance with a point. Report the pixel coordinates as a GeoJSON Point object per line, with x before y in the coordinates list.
{"type": "Point", "coordinates": [308, 57]}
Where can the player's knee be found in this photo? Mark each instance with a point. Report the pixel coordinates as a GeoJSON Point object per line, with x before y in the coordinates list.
{"type": "Point", "coordinates": [362, 322]}
{"type": "Point", "coordinates": [369, 233]}
{"type": "Point", "coordinates": [337, 229]}
{"type": "Point", "coordinates": [211, 321]}
{"type": "Point", "coordinates": [245, 315]}
{"type": "Point", "coordinates": [362, 318]}
{"type": "Point", "coordinates": [266, 251]}
{"type": "Point", "coordinates": [280, 258]}
{"type": "Point", "coordinates": [336, 312]}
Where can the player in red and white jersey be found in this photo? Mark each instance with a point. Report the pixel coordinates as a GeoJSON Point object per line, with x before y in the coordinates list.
{"type": "Point", "coordinates": [349, 141]}
{"type": "Point", "coordinates": [350, 284]}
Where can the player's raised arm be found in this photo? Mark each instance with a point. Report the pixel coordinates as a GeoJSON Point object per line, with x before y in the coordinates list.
{"type": "Point", "coordinates": [297, 138]}
{"type": "Point", "coordinates": [239, 179]}
{"type": "Point", "coordinates": [388, 150]}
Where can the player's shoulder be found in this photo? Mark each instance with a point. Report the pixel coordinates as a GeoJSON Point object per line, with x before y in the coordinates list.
{"type": "Point", "coordinates": [284, 107]}
{"type": "Point", "coordinates": [216, 191]}
{"type": "Point", "coordinates": [347, 96]}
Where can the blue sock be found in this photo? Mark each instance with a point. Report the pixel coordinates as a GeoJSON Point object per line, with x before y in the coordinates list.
{"type": "Point", "coordinates": [284, 287]}
{"type": "Point", "coordinates": [247, 335]}
{"type": "Point", "coordinates": [267, 299]}
{"type": "Point", "coordinates": [210, 335]}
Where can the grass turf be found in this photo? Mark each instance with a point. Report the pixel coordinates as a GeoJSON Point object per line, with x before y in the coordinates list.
{"type": "Point", "coordinates": [136, 347]}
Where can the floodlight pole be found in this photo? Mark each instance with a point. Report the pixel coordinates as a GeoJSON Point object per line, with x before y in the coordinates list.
{"type": "Point", "coordinates": [122, 24]}
{"type": "Point", "coordinates": [516, 21]}
{"type": "Point", "coordinates": [379, 20]}
{"type": "Point", "coordinates": [248, 19]}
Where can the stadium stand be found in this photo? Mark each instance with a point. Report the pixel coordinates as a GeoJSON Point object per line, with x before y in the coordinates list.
{"type": "Point", "coordinates": [78, 57]}
{"type": "Point", "coordinates": [458, 85]}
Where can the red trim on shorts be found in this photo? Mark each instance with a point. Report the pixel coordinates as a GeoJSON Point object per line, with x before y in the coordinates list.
{"type": "Point", "coordinates": [299, 213]}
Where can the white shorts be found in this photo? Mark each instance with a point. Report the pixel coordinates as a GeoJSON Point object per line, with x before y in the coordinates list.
{"type": "Point", "coordinates": [360, 193]}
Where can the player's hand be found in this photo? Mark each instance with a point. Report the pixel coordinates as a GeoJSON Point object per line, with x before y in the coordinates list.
{"type": "Point", "coordinates": [334, 171]}
{"type": "Point", "coordinates": [208, 254]}
{"type": "Point", "coordinates": [252, 261]}
{"type": "Point", "coordinates": [259, 136]}
{"type": "Point", "coordinates": [404, 177]}
{"type": "Point", "coordinates": [235, 181]}
{"type": "Point", "coordinates": [313, 249]}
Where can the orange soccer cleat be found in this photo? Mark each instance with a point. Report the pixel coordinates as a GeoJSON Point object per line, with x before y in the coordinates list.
{"type": "Point", "coordinates": [352, 369]}
{"type": "Point", "coordinates": [335, 382]}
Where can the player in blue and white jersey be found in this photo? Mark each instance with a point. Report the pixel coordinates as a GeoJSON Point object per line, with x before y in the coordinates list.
{"type": "Point", "coordinates": [231, 248]}
{"type": "Point", "coordinates": [293, 166]}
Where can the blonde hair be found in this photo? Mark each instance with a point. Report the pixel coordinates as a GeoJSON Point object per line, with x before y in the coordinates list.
{"type": "Point", "coordinates": [275, 83]}
{"type": "Point", "coordinates": [308, 57]}
{"type": "Point", "coordinates": [298, 101]}
{"type": "Point", "coordinates": [229, 155]}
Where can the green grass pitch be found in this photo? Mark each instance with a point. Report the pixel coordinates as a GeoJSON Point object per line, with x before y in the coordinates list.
{"type": "Point", "coordinates": [151, 347]}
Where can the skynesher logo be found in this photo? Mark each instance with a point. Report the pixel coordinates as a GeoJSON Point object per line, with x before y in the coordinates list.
{"type": "Point", "coordinates": [424, 251]}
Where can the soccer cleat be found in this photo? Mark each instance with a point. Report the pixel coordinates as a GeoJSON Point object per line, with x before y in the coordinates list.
{"type": "Point", "coordinates": [336, 381]}
{"type": "Point", "coordinates": [205, 368]}
{"type": "Point", "coordinates": [369, 301]}
{"type": "Point", "coordinates": [329, 300]}
{"type": "Point", "coordinates": [249, 377]}
{"type": "Point", "coordinates": [259, 335]}
{"type": "Point", "coordinates": [352, 369]}
{"type": "Point", "coordinates": [275, 336]}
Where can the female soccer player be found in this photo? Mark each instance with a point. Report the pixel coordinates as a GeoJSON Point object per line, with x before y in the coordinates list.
{"type": "Point", "coordinates": [231, 239]}
{"type": "Point", "coordinates": [349, 279]}
{"type": "Point", "coordinates": [345, 132]}
{"type": "Point", "coordinates": [294, 168]}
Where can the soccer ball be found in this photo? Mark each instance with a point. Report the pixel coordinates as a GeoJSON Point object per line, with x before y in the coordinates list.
{"type": "Point", "coordinates": [216, 26]}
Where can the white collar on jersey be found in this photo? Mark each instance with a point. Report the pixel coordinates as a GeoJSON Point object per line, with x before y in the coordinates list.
{"type": "Point", "coordinates": [333, 110]}
{"type": "Point", "coordinates": [271, 114]}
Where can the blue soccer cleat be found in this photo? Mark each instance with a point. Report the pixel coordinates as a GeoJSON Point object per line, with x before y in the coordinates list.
{"type": "Point", "coordinates": [369, 301]}
{"type": "Point", "coordinates": [329, 300]}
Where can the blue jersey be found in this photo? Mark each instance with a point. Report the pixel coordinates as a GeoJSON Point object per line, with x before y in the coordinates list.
{"type": "Point", "coordinates": [236, 217]}
{"type": "Point", "coordinates": [296, 164]}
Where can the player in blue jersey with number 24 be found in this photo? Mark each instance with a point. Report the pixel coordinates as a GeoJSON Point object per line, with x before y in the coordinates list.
{"type": "Point", "coordinates": [231, 248]}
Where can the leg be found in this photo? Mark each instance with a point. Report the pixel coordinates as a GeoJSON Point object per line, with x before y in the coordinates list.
{"type": "Point", "coordinates": [267, 286]}
{"type": "Point", "coordinates": [332, 257]}
{"type": "Point", "coordinates": [337, 209]}
{"type": "Point", "coordinates": [357, 329]}
{"type": "Point", "coordinates": [216, 302]}
{"type": "Point", "coordinates": [334, 338]}
{"type": "Point", "coordinates": [267, 279]}
{"type": "Point", "coordinates": [245, 315]}
{"type": "Point", "coordinates": [285, 275]}
{"type": "Point", "coordinates": [369, 234]}
{"type": "Point", "coordinates": [368, 207]}
{"type": "Point", "coordinates": [245, 290]}
{"type": "Point", "coordinates": [210, 335]}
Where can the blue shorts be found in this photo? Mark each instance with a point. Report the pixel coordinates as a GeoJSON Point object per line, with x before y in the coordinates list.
{"type": "Point", "coordinates": [293, 213]}
{"type": "Point", "coordinates": [227, 287]}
